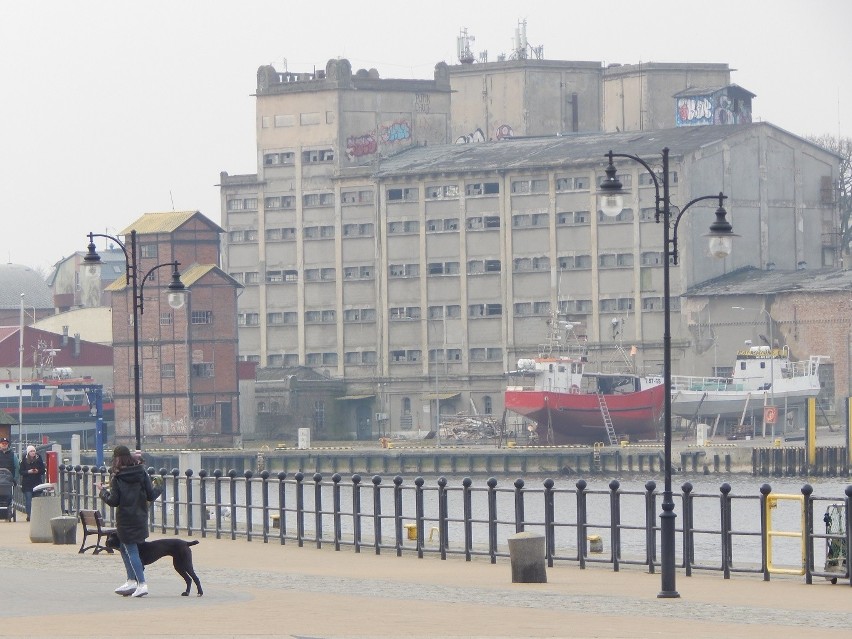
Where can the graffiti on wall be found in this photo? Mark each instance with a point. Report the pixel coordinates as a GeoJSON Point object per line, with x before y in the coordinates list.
{"type": "Point", "coordinates": [397, 131]}
{"type": "Point", "coordinates": [504, 131]}
{"type": "Point", "coordinates": [469, 138]}
{"type": "Point", "coordinates": [360, 145]}
{"type": "Point", "coordinates": [718, 108]}
{"type": "Point", "coordinates": [500, 132]}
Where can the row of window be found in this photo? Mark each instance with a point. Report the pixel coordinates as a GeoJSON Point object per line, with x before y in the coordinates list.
{"type": "Point", "coordinates": [199, 411]}
{"type": "Point", "coordinates": [451, 354]}
{"type": "Point", "coordinates": [284, 202]}
{"type": "Point", "coordinates": [288, 158]}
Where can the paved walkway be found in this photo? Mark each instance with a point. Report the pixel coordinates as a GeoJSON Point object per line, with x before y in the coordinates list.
{"type": "Point", "coordinates": [254, 589]}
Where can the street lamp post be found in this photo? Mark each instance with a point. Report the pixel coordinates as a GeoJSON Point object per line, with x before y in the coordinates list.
{"type": "Point", "coordinates": [721, 238]}
{"type": "Point", "coordinates": [176, 298]}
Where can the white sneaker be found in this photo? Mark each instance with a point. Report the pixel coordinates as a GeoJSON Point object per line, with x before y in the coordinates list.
{"type": "Point", "coordinates": [141, 590]}
{"type": "Point", "coordinates": [126, 588]}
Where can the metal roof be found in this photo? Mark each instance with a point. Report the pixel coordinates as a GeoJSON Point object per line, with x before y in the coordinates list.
{"type": "Point", "coordinates": [167, 222]}
{"type": "Point", "coordinates": [188, 276]}
{"type": "Point", "coordinates": [556, 151]}
{"type": "Point", "coordinates": [754, 281]}
{"type": "Point", "coordinates": [16, 279]}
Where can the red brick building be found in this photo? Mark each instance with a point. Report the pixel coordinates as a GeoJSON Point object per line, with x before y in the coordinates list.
{"type": "Point", "coordinates": [188, 356]}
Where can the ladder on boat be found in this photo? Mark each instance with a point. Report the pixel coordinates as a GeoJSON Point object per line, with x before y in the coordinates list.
{"type": "Point", "coordinates": [607, 419]}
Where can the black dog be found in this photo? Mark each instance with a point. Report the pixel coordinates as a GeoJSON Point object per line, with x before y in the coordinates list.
{"type": "Point", "coordinates": [178, 549]}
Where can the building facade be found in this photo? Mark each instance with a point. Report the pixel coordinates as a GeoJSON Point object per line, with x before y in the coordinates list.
{"type": "Point", "coordinates": [188, 356]}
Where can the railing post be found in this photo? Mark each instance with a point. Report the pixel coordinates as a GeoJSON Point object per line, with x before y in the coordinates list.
{"type": "Point", "coordinates": [467, 501]}
{"type": "Point", "coordinates": [581, 522]}
{"type": "Point", "coordinates": [176, 498]}
{"type": "Point", "coordinates": [264, 497]}
{"type": "Point", "coordinates": [418, 513]}
{"type": "Point", "coordinates": [202, 501]}
{"type": "Point", "coordinates": [725, 526]}
{"type": "Point", "coordinates": [232, 476]}
{"type": "Point", "coordinates": [247, 475]}
{"type": "Point", "coordinates": [217, 501]}
{"type": "Point", "coordinates": [164, 507]}
{"type": "Point", "coordinates": [615, 523]}
{"type": "Point", "coordinates": [377, 514]}
{"type": "Point", "coordinates": [688, 528]}
{"type": "Point", "coordinates": [443, 516]}
{"type": "Point", "coordinates": [282, 507]}
{"type": "Point", "coordinates": [335, 498]}
{"type": "Point", "coordinates": [356, 512]}
{"type": "Point", "coordinates": [318, 508]}
{"type": "Point", "coordinates": [519, 505]}
{"type": "Point", "coordinates": [765, 489]}
{"type": "Point", "coordinates": [549, 519]}
{"type": "Point", "coordinates": [397, 513]}
{"type": "Point", "coordinates": [492, 519]}
{"type": "Point", "coordinates": [651, 526]}
{"type": "Point", "coordinates": [78, 478]}
{"type": "Point", "coordinates": [188, 474]}
{"type": "Point", "coordinates": [808, 532]}
{"type": "Point", "coordinates": [300, 508]}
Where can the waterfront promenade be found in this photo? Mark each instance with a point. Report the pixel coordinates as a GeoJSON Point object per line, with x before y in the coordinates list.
{"type": "Point", "coordinates": [266, 590]}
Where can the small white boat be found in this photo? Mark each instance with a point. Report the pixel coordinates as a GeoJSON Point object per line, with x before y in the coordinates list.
{"type": "Point", "coordinates": [762, 376]}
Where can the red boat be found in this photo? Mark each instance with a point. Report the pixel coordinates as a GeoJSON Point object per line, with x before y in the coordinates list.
{"type": "Point", "coordinates": [54, 397]}
{"type": "Point", "coordinates": [571, 406]}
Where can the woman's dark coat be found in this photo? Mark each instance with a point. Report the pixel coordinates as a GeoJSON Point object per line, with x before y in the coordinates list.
{"type": "Point", "coordinates": [31, 480]}
{"type": "Point", "coordinates": [130, 491]}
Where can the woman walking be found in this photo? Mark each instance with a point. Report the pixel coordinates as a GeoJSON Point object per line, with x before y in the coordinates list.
{"type": "Point", "coordinates": [129, 492]}
{"type": "Point", "coordinates": [32, 474]}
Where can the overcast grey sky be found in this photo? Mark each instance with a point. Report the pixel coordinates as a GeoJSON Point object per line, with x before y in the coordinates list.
{"type": "Point", "coordinates": [111, 109]}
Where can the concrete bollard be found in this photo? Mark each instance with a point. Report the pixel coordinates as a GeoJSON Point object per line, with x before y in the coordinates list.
{"type": "Point", "coordinates": [526, 553]}
{"type": "Point", "coordinates": [43, 510]}
{"type": "Point", "coordinates": [595, 543]}
{"type": "Point", "coordinates": [64, 530]}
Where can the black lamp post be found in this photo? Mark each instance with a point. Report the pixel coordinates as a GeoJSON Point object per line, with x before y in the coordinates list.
{"type": "Point", "coordinates": [177, 298]}
{"type": "Point", "coordinates": [721, 239]}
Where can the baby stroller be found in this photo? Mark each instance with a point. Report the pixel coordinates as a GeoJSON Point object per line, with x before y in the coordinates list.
{"type": "Point", "coordinates": [7, 488]}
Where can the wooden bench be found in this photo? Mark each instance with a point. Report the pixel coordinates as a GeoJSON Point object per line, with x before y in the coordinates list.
{"type": "Point", "coordinates": [93, 524]}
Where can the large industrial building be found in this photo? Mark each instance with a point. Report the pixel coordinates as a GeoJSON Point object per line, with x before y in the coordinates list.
{"type": "Point", "coordinates": [412, 238]}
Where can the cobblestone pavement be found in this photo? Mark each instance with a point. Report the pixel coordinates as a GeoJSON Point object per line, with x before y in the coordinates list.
{"type": "Point", "coordinates": [254, 589]}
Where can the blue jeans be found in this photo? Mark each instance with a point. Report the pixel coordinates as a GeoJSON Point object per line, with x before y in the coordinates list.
{"type": "Point", "coordinates": [132, 562]}
{"type": "Point", "coordinates": [28, 501]}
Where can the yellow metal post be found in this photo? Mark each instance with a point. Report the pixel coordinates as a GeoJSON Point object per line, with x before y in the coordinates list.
{"type": "Point", "coordinates": [772, 503]}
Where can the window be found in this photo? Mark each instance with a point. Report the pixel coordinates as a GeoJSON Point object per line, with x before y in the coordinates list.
{"type": "Point", "coordinates": [252, 277]}
{"type": "Point", "coordinates": [572, 218]}
{"type": "Point", "coordinates": [167, 371]}
{"type": "Point", "coordinates": [541, 308]}
{"type": "Point", "coordinates": [204, 369]}
{"type": "Point", "coordinates": [318, 157]}
{"type": "Point", "coordinates": [165, 319]}
{"type": "Point", "coordinates": [395, 228]}
{"type": "Point", "coordinates": [279, 159]}
{"type": "Point", "coordinates": [319, 415]}
{"type": "Point", "coordinates": [148, 250]}
{"type": "Point", "coordinates": [482, 188]}
{"type": "Point", "coordinates": [572, 184]}
{"type": "Point", "coordinates": [582, 261]}
{"type": "Point", "coordinates": [404, 270]}
{"type": "Point", "coordinates": [402, 195]}
{"type": "Point", "coordinates": [203, 411]}
{"type": "Point", "coordinates": [453, 311]}
{"type": "Point", "coordinates": [274, 360]}
{"type": "Point", "coordinates": [274, 318]}
{"type": "Point", "coordinates": [248, 319]}
{"type": "Point", "coordinates": [201, 317]}
{"type": "Point", "coordinates": [152, 405]}
{"type": "Point", "coordinates": [441, 192]}
{"type": "Point", "coordinates": [404, 313]}
{"type": "Point", "coordinates": [651, 258]}
{"type": "Point", "coordinates": [356, 197]}
{"type": "Point", "coordinates": [485, 310]}
{"type": "Point", "coordinates": [626, 215]}
{"type": "Point", "coordinates": [318, 199]}
{"type": "Point", "coordinates": [529, 186]}
{"type": "Point", "coordinates": [540, 219]}
{"type": "Point", "coordinates": [648, 214]}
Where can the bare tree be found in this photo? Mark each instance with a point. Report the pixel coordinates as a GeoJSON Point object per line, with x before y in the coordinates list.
{"type": "Point", "coordinates": [843, 187]}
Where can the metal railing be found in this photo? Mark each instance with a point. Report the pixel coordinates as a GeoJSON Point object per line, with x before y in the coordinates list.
{"type": "Point", "coordinates": [723, 532]}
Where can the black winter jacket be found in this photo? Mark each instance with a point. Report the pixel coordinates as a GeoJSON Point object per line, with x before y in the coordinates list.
{"type": "Point", "coordinates": [130, 491]}
{"type": "Point", "coordinates": [31, 480]}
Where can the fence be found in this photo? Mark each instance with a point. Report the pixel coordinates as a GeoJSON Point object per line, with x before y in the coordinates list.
{"type": "Point", "coordinates": [718, 532]}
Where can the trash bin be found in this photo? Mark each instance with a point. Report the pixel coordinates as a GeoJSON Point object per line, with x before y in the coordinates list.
{"type": "Point", "coordinates": [64, 529]}
{"type": "Point", "coordinates": [45, 507]}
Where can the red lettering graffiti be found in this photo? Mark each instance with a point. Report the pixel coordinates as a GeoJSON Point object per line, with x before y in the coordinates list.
{"type": "Point", "coordinates": [359, 145]}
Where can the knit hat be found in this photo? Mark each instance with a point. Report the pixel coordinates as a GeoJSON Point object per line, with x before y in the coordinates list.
{"type": "Point", "coordinates": [30, 449]}
{"type": "Point", "coordinates": [120, 451]}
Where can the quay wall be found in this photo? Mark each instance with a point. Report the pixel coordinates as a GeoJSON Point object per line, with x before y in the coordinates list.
{"type": "Point", "coordinates": [543, 460]}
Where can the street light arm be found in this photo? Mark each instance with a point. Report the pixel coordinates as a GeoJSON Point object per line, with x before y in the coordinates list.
{"type": "Point", "coordinates": [650, 171]}
{"type": "Point", "coordinates": [140, 301]}
{"type": "Point", "coordinates": [121, 245]}
{"type": "Point", "coordinates": [673, 249]}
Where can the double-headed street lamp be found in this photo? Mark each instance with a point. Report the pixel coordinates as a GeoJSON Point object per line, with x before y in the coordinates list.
{"type": "Point", "coordinates": [177, 299]}
{"type": "Point", "coordinates": [721, 239]}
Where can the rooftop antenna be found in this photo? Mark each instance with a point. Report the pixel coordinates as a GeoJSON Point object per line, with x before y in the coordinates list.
{"type": "Point", "coordinates": [521, 46]}
{"type": "Point", "coordinates": [463, 41]}
{"type": "Point", "coordinates": [171, 197]}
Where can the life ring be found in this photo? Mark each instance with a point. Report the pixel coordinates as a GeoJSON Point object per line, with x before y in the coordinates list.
{"type": "Point", "coordinates": [575, 390]}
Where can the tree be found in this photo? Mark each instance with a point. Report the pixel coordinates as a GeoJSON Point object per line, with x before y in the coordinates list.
{"type": "Point", "coordinates": [843, 187]}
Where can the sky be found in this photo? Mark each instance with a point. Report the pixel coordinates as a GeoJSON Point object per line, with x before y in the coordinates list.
{"type": "Point", "coordinates": [112, 109]}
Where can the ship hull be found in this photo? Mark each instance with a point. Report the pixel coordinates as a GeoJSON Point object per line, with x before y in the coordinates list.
{"type": "Point", "coordinates": [575, 418]}
{"type": "Point", "coordinates": [728, 404]}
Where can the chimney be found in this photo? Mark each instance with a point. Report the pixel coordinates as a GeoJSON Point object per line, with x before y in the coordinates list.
{"type": "Point", "coordinates": [64, 336]}
{"type": "Point", "coordinates": [76, 344]}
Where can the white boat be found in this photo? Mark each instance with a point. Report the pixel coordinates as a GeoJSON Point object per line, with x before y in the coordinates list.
{"type": "Point", "coordinates": [762, 376]}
